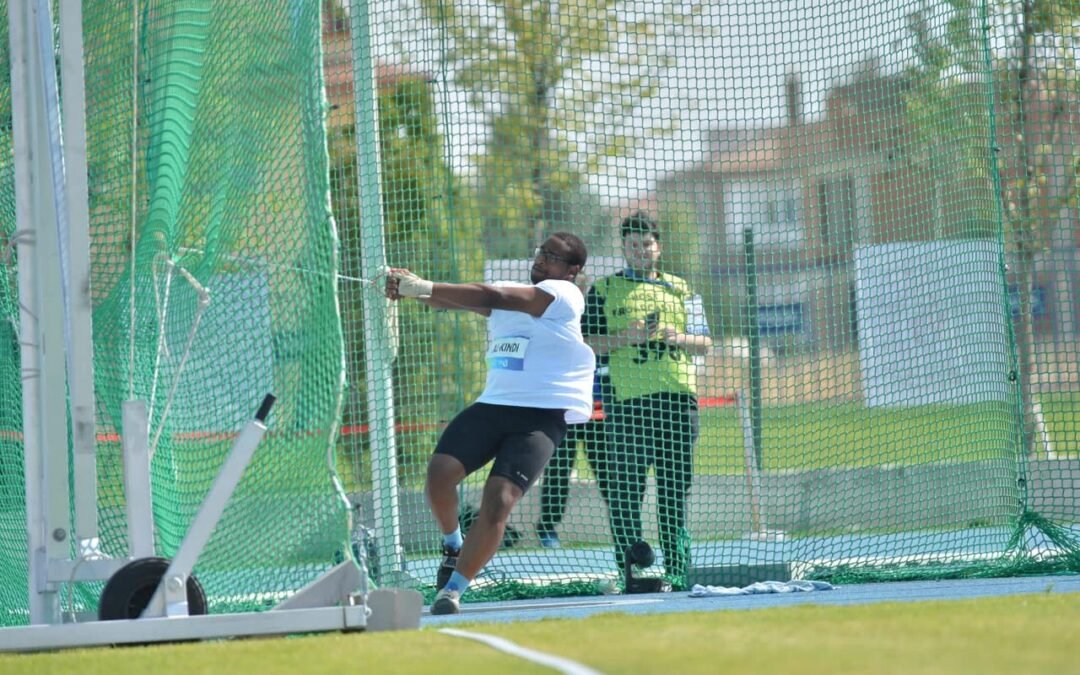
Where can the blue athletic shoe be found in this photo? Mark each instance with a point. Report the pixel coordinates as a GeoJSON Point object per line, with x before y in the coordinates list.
{"type": "Point", "coordinates": [549, 539]}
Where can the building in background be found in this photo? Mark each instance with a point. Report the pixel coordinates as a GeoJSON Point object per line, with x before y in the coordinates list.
{"type": "Point", "coordinates": [812, 192]}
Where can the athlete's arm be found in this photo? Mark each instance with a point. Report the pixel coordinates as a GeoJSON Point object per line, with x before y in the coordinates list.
{"type": "Point", "coordinates": [443, 304]}
{"type": "Point", "coordinates": [475, 297]}
{"type": "Point", "coordinates": [486, 297]}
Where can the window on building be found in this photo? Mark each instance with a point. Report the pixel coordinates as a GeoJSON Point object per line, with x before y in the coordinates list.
{"type": "Point", "coordinates": [771, 209]}
{"type": "Point", "coordinates": [836, 212]}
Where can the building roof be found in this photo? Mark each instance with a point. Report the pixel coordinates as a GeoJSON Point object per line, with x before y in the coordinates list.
{"type": "Point", "coordinates": [863, 116]}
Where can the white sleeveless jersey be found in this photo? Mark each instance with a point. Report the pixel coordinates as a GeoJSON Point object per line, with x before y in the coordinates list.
{"type": "Point", "coordinates": [541, 362]}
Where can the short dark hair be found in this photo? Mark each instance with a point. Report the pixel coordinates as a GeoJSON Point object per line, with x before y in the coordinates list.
{"type": "Point", "coordinates": [640, 221]}
{"type": "Point", "coordinates": [578, 253]}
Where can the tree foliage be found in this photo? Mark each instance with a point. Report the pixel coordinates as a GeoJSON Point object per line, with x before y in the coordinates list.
{"type": "Point", "coordinates": [562, 83]}
{"type": "Point", "coordinates": [995, 87]}
{"type": "Point", "coordinates": [429, 226]}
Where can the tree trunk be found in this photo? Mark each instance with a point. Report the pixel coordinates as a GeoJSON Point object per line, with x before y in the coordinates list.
{"type": "Point", "coordinates": [1024, 230]}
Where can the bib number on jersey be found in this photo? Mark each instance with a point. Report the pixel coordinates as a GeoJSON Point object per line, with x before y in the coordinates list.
{"type": "Point", "coordinates": [507, 353]}
{"type": "Point", "coordinates": [654, 350]}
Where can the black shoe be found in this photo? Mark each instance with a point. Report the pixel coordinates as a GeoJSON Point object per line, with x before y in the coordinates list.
{"type": "Point", "coordinates": [449, 562]}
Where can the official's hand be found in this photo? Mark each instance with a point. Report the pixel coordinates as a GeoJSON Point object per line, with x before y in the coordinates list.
{"type": "Point", "coordinates": [668, 335]}
{"type": "Point", "coordinates": [637, 332]}
{"type": "Point", "coordinates": [409, 285]}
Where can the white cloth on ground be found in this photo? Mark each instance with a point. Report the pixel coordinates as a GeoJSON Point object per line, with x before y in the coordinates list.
{"type": "Point", "coordinates": [793, 586]}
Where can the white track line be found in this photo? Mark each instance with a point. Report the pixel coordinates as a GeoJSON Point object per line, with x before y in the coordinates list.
{"type": "Point", "coordinates": [503, 645]}
{"type": "Point", "coordinates": [587, 603]}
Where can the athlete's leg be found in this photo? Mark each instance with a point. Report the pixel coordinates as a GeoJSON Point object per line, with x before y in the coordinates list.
{"type": "Point", "coordinates": [444, 473]}
{"type": "Point", "coordinates": [468, 442]}
{"type": "Point", "coordinates": [486, 533]}
{"type": "Point", "coordinates": [519, 462]}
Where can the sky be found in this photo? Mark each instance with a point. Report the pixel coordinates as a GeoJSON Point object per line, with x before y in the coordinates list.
{"type": "Point", "coordinates": [733, 77]}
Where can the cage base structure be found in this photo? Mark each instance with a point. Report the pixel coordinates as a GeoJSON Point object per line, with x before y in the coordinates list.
{"type": "Point", "coordinates": [152, 599]}
{"type": "Point", "coordinates": [377, 610]}
{"type": "Point", "coordinates": [188, 628]}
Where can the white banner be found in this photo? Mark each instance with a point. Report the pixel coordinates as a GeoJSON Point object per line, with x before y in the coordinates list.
{"type": "Point", "coordinates": [932, 323]}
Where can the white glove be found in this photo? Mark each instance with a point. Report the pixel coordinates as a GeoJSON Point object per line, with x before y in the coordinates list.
{"type": "Point", "coordinates": [412, 286]}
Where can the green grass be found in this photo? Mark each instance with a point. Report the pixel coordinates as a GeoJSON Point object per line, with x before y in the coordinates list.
{"type": "Point", "coordinates": [822, 435]}
{"type": "Point", "coordinates": [1062, 414]}
{"type": "Point", "coordinates": [818, 435]}
{"type": "Point", "coordinates": [828, 435]}
{"type": "Point", "coordinates": [1007, 635]}
{"type": "Point", "coordinates": [799, 437]}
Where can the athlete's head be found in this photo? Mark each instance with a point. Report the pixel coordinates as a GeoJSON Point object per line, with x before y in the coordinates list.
{"type": "Point", "coordinates": [641, 242]}
{"type": "Point", "coordinates": [561, 256]}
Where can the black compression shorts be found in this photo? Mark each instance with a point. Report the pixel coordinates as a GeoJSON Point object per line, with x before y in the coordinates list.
{"type": "Point", "coordinates": [520, 440]}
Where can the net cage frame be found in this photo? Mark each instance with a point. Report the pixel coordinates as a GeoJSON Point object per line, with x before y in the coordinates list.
{"type": "Point", "coordinates": [53, 245]}
{"type": "Point", "coordinates": [762, 512]}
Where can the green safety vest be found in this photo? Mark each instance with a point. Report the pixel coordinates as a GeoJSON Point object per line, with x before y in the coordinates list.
{"type": "Point", "coordinates": [613, 303]}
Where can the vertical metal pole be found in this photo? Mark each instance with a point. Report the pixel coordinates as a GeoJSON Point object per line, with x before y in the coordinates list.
{"type": "Point", "coordinates": [753, 481]}
{"type": "Point", "coordinates": [81, 348]}
{"type": "Point", "coordinates": [32, 460]}
{"type": "Point", "coordinates": [41, 325]}
{"type": "Point", "coordinates": [379, 323]}
{"type": "Point", "coordinates": [140, 505]}
{"type": "Point", "coordinates": [754, 331]}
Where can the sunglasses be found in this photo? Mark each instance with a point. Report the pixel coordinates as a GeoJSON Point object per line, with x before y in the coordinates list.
{"type": "Point", "coordinates": [549, 256]}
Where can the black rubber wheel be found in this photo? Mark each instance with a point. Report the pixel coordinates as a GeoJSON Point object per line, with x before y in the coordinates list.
{"type": "Point", "coordinates": [128, 592]}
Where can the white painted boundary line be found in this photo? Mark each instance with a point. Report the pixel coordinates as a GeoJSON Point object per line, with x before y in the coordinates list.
{"type": "Point", "coordinates": [554, 662]}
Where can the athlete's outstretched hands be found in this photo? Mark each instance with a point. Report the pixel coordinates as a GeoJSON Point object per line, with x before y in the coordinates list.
{"type": "Point", "coordinates": [401, 283]}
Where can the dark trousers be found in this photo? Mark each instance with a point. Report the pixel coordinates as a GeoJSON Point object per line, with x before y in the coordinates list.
{"type": "Point", "coordinates": [555, 490]}
{"type": "Point", "coordinates": [657, 431]}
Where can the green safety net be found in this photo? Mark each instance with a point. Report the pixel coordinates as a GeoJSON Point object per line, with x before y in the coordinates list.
{"type": "Point", "coordinates": [869, 209]}
{"type": "Point", "coordinates": [213, 261]}
{"type": "Point", "coordinates": [891, 389]}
